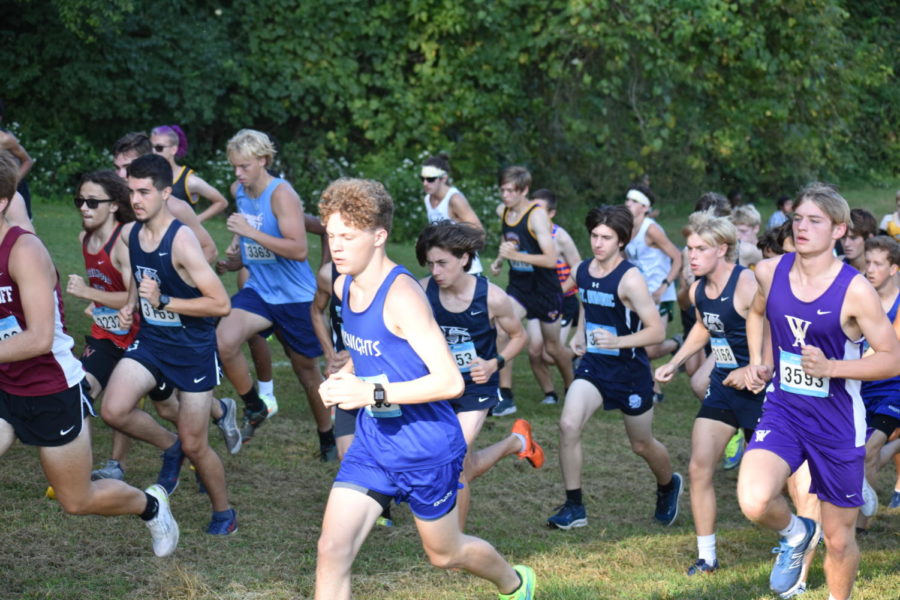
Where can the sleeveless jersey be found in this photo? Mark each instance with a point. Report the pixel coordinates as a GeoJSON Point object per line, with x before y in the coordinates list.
{"type": "Point", "coordinates": [653, 262]}
{"type": "Point", "coordinates": [525, 276]}
{"type": "Point", "coordinates": [334, 311]}
{"type": "Point", "coordinates": [396, 437]}
{"type": "Point", "coordinates": [727, 329]}
{"type": "Point", "coordinates": [468, 333]}
{"type": "Point", "coordinates": [103, 275]}
{"type": "Point", "coordinates": [563, 269]}
{"type": "Point", "coordinates": [830, 411]}
{"type": "Point", "coordinates": [49, 373]}
{"type": "Point", "coordinates": [277, 280]}
{"type": "Point", "coordinates": [890, 226]}
{"type": "Point", "coordinates": [441, 212]}
{"type": "Point", "coordinates": [165, 326]}
{"type": "Point", "coordinates": [180, 186]}
{"type": "Point", "coordinates": [603, 309]}
{"type": "Point", "coordinates": [883, 387]}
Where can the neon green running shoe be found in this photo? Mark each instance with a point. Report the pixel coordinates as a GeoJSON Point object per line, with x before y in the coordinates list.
{"type": "Point", "coordinates": [734, 451]}
{"type": "Point", "coordinates": [526, 589]}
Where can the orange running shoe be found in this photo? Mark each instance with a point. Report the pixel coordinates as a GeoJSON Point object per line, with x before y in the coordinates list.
{"type": "Point", "coordinates": [533, 453]}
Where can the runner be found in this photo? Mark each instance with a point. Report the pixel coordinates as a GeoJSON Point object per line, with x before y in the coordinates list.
{"type": "Point", "coordinates": [170, 142]}
{"type": "Point", "coordinates": [467, 309]}
{"type": "Point", "coordinates": [269, 226]}
{"type": "Point", "coordinates": [42, 402]}
{"type": "Point", "coordinates": [722, 295]}
{"type": "Point", "coordinates": [408, 445]}
{"type": "Point", "coordinates": [813, 410]}
{"type": "Point", "coordinates": [862, 227]}
{"type": "Point", "coordinates": [614, 372]}
{"type": "Point", "coordinates": [180, 296]}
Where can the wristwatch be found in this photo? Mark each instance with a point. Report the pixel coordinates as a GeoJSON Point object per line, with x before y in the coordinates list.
{"type": "Point", "coordinates": [501, 362]}
{"type": "Point", "coordinates": [379, 396]}
{"type": "Point", "coordinates": [163, 302]}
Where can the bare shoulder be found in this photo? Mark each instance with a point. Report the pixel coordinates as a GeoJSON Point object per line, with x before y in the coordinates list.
{"type": "Point", "coordinates": [765, 269]}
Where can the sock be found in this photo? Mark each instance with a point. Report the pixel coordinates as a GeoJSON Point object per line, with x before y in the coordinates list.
{"type": "Point", "coordinates": [794, 532]}
{"type": "Point", "coordinates": [506, 393]}
{"type": "Point", "coordinates": [553, 394]}
{"type": "Point", "coordinates": [574, 496]}
{"type": "Point", "coordinates": [222, 515]}
{"type": "Point", "coordinates": [152, 508]}
{"type": "Point", "coordinates": [252, 400]}
{"type": "Point", "coordinates": [174, 448]}
{"type": "Point", "coordinates": [326, 438]}
{"type": "Point", "coordinates": [522, 440]}
{"type": "Point", "coordinates": [706, 548]}
{"type": "Point", "coordinates": [266, 387]}
{"type": "Point", "coordinates": [665, 489]}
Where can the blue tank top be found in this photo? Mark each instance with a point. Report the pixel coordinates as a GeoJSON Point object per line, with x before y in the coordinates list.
{"type": "Point", "coordinates": [829, 411]}
{"type": "Point", "coordinates": [525, 276]}
{"type": "Point", "coordinates": [603, 309]}
{"type": "Point", "coordinates": [727, 329]}
{"type": "Point", "coordinates": [468, 333]}
{"type": "Point", "coordinates": [395, 437]}
{"type": "Point", "coordinates": [165, 326]}
{"type": "Point", "coordinates": [334, 310]}
{"type": "Point", "coordinates": [278, 280]}
{"type": "Point", "coordinates": [874, 391]}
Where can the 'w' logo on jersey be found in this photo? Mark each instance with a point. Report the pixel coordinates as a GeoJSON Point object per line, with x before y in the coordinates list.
{"type": "Point", "coordinates": [761, 434]}
{"type": "Point", "coordinates": [798, 328]}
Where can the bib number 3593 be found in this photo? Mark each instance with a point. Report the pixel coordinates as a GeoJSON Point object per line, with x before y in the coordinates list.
{"type": "Point", "coordinates": [792, 377]}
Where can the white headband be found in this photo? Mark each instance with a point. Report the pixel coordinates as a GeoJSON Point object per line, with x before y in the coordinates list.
{"type": "Point", "coordinates": [432, 171]}
{"type": "Point", "coordinates": [638, 196]}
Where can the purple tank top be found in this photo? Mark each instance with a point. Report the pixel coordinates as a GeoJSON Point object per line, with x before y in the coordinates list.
{"type": "Point", "coordinates": [829, 411]}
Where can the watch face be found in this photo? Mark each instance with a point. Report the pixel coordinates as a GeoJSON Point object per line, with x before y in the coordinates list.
{"type": "Point", "coordinates": [379, 395]}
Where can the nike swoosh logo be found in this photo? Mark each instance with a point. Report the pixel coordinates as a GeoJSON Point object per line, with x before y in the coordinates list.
{"type": "Point", "coordinates": [476, 312]}
{"type": "Point", "coordinates": [198, 380]}
{"type": "Point", "coordinates": [163, 253]}
{"type": "Point", "coordinates": [725, 298]}
{"type": "Point", "coordinates": [65, 431]}
{"type": "Point", "coordinates": [484, 398]}
{"type": "Point", "coordinates": [850, 495]}
{"type": "Point", "coordinates": [823, 312]}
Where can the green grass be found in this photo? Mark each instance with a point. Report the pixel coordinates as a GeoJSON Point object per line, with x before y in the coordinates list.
{"type": "Point", "coordinates": [279, 490]}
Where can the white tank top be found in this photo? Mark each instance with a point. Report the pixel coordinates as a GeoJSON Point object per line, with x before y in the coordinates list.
{"type": "Point", "coordinates": [441, 212]}
{"type": "Point", "coordinates": [653, 262]}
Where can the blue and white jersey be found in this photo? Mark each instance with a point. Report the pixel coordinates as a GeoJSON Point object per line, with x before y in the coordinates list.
{"type": "Point", "coordinates": [727, 328]}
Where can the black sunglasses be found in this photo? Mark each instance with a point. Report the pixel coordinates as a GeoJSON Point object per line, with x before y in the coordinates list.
{"type": "Point", "coordinates": [91, 202]}
{"type": "Point", "coordinates": [159, 148]}
{"type": "Point", "coordinates": [430, 179]}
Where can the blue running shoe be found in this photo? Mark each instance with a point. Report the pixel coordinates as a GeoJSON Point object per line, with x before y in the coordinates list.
{"type": "Point", "coordinates": [895, 500]}
{"type": "Point", "coordinates": [171, 468]}
{"type": "Point", "coordinates": [506, 406]}
{"type": "Point", "coordinates": [789, 567]}
{"type": "Point", "coordinates": [667, 502]}
{"type": "Point", "coordinates": [223, 525]}
{"type": "Point", "coordinates": [701, 566]}
{"type": "Point", "coordinates": [568, 516]}
{"type": "Point", "coordinates": [800, 588]}
{"type": "Point", "coordinates": [734, 451]}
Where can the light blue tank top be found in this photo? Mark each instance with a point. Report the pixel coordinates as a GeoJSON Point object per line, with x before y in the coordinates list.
{"type": "Point", "coordinates": [276, 279]}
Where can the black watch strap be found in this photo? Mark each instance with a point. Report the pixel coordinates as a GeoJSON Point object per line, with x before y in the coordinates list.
{"type": "Point", "coordinates": [378, 395]}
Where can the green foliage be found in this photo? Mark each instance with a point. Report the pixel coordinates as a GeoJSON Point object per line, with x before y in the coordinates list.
{"type": "Point", "coordinates": [697, 95]}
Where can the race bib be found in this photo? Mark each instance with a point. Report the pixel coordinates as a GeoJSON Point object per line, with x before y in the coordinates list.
{"type": "Point", "coordinates": [792, 378]}
{"type": "Point", "coordinates": [162, 318]}
{"type": "Point", "coordinates": [388, 411]}
{"type": "Point", "coordinates": [9, 326]}
{"type": "Point", "coordinates": [722, 351]}
{"type": "Point", "coordinates": [257, 253]}
{"type": "Point", "coordinates": [108, 319]}
{"type": "Point", "coordinates": [463, 354]}
{"type": "Point", "coordinates": [589, 329]}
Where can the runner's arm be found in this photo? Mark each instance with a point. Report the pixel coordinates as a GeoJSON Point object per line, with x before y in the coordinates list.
{"type": "Point", "coordinates": [217, 202]}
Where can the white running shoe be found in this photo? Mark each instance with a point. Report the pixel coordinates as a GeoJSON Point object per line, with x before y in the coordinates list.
{"type": "Point", "coordinates": [870, 500]}
{"type": "Point", "coordinates": [271, 404]}
{"type": "Point", "coordinates": [163, 527]}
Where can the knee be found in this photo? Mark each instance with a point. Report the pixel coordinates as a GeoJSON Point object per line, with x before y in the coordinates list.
{"type": "Point", "coordinates": [332, 550]}
{"type": "Point", "coordinates": [167, 410]}
{"type": "Point", "coordinates": [754, 504]}
{"type": "Point", "coordinates": [442, 560]}
{"type": "Point", "coordinates": [74, 505]}
{"type": "Point", "coordinates": [840, 544]}
{"type": "Point", "coordinates": [700, 470]}
{"type": "Point", "coordinates": [569, 430]}
{"type": "Point", "coordinates": [112, 415]}
{"type": "Point", "coordinates": [641, 447]}
{"type": "Point", "coordinates": [193, 446]}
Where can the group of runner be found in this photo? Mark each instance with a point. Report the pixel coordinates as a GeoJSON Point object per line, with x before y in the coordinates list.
{"type": "Point", "coordinates": [415, 368]}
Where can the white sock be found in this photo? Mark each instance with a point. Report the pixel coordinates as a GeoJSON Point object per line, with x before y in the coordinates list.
{"type": "Point", "coordinates": [522, 440]}
{"type": "Point", "coordinates": [267, 387]}
{"type": "Point", "coordinates": [794, 532]}
{"type": "Point", "coordinates": [706, 548]}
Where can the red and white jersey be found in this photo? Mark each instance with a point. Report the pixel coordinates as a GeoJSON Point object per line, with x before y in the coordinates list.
{"type": "Point", "coordinates": [103, 275]}
{"type": "Point", "coordinates": [48, 373]}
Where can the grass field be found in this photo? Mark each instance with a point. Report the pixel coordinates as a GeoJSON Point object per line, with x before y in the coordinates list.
{"type": "Point", "coordinates": [279, 490]}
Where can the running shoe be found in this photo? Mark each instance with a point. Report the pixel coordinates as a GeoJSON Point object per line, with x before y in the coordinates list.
{"type": "Point", "coordinates": [223, 526]}
{"type": "Point", "coordinates": [227, 424]}
{"type": "Point", "coordinates": [526, 588]}
{"type": "Point", "coordinates": [734, 451]}
{"type": "Point", "coordinates": [870, 500]}
{"type": "Point", "coordinates": [111, 470]}
{"type": "Point", "coordinates": [327, 452]}
{"type": "Point", "coordinates": [800, 588]}
{"type": "Point", "coordinates": [384, 521]}
{"type": "Point", "coordinates": [895, 500]}
{"type": "Point", "coordinates": [658, 397]}
{"type": "Point", "coordinates": [163, 527]}
{"type": "Point", "coordinates": [506, 406]}
{"type": "Point", "coordinates": [701, 566]}
{"type": "Point", "coordinates": [550, 398]}
{"type": "Point", "coordinates": [789, 567]}
{"type": "Point", "coordinates": [271, 403]}
{"type": "Point", "coordinates": [252, 421]}
{"type": "Point", "coordinates": [171, 468]}
{"type": "Point", "coordinates": [568, 516]}
{"type": "Point", "coordinates": [533, 453]}
{"type": "Point", "coordinates": [667, 502]}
